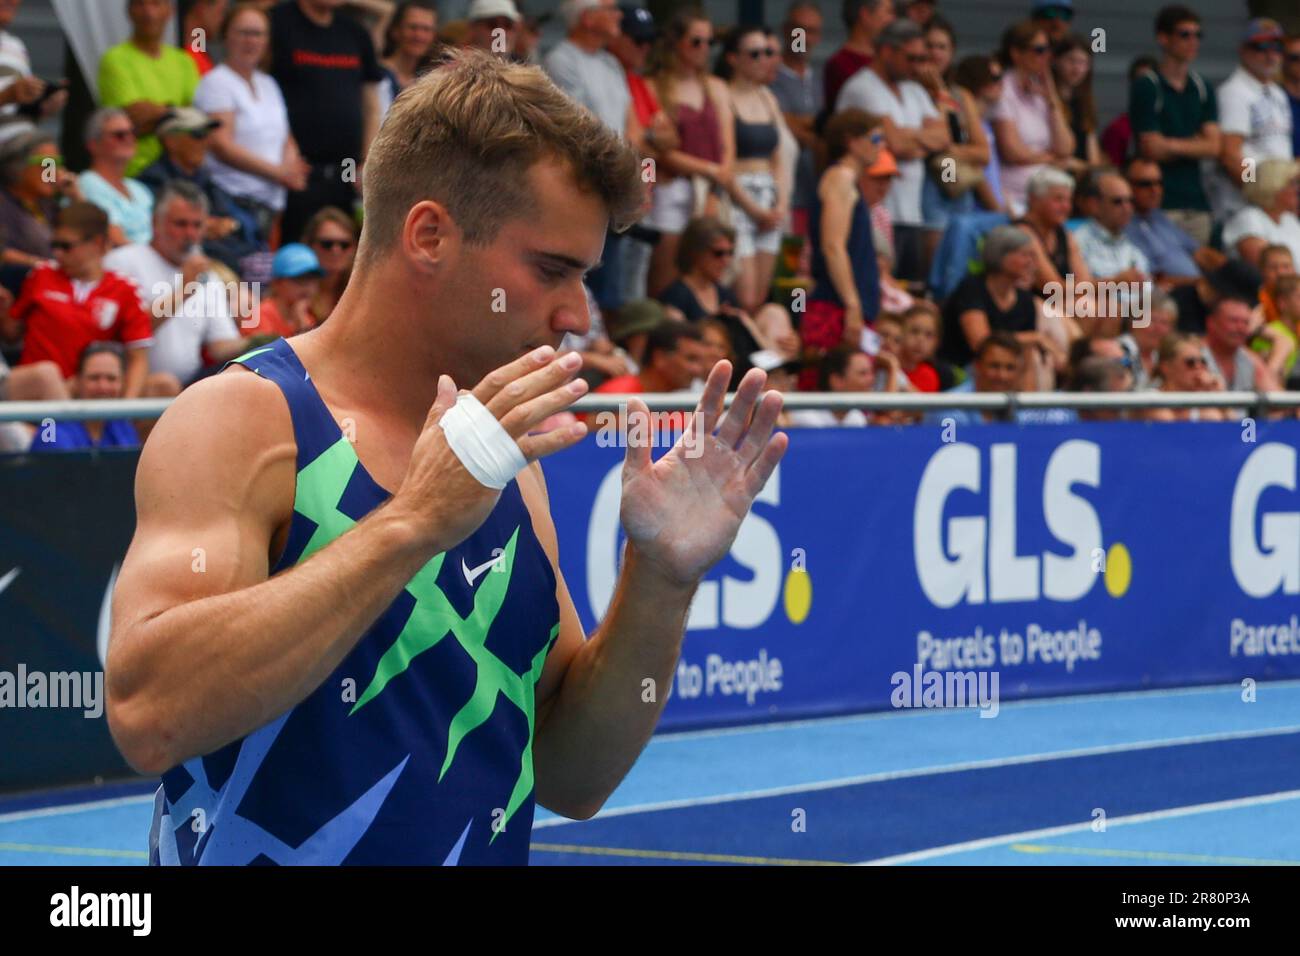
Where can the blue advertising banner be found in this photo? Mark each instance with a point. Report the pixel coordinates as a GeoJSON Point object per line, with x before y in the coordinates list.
{"type": "Point", "coordinates": [903, 567]}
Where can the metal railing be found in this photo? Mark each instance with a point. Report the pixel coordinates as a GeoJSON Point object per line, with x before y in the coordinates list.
{"type": "Point", "coordinates": [1257, 403]}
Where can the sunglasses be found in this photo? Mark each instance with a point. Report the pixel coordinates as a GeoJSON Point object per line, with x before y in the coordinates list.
{"type": "Point", "coordinates": [499, 23]}
{"type": "Point", "coordinates": [1147, 183]}
{"type": "Point", "coordinates": [1268, 46]}
{"type": "Point", "coordinates": [333, 245]}
{"type": "Point", "coordinates": [1188, 34]}
{"type": "Point", "coordinates": [63, 245]}
{"type": "Point", "coordinates": [723, 253]}
{"type": "Point", "coordinates": [1038, 49]}
{"type": "Point", "coordinates": [761, 53]}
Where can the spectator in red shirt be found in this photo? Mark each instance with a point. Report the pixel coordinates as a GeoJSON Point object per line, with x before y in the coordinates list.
{"type": "Point", "coordinates": [201, 25]}
{"type": "Point", "coordinates": [295, 280]}
{"type": "Point", "coordinates": [864, 19]}
{"type": "Point", "coordinates": [675, 356]}
{"type": "Point", "coordinates": [66, 305]}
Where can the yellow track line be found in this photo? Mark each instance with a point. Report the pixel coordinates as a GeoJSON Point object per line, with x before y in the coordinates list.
{"type": "Point", "coordinates": [74, 850]}
{"type": "Point", "coordinates": [675, 855]}
{"type": "Point", "coordinates": [1151, 855]}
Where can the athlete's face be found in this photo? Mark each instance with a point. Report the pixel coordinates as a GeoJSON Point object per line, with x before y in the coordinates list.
{"type": "Point", "coordinates": [524, 289]}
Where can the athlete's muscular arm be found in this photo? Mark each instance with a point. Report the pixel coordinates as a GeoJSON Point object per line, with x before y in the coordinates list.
{"type": "Point", "coordinates": [681, 515]}
{"type": "Point", "coordinates": [206, 648]}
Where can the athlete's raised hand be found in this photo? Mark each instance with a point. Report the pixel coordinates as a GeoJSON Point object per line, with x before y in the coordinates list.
{"type": "Point", "coordinates": [444, 500]}
{"type": "Point", "coordinates": [682, 512]}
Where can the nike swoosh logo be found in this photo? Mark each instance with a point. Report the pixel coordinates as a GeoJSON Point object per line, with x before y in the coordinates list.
{"type": "Point", "coordinates": [473, 575]}
{"type": "Point", "coordinates": [8, 579]}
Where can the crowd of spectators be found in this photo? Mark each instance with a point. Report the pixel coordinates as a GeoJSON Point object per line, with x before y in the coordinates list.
{"type": "Point", "coordinates": [900, 214]}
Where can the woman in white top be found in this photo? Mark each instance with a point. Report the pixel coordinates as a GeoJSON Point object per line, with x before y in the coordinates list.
{"type": "Point", "coordinates": [254, 156]}
{"type": "Point", "coordinates": [1269, 218]}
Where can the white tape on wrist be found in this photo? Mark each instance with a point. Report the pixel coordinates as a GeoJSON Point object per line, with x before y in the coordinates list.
{"type": "Point", "coordinates": [485, 448]}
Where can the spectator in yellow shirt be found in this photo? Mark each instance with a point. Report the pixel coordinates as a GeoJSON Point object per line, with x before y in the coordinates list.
{"type": "Point", "coordinates": [147, 77]}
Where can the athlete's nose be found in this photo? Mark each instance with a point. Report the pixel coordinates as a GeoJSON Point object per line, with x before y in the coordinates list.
{"type": "Point", "coordinates": [572, 317]}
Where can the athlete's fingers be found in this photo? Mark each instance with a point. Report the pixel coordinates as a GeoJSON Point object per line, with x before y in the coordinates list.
{"type": "Point", "coordinates": [760, 428]}
{"type": "Point", "coordinates": [713, 400]}
{"type": "Point", "coordinates": [444, 400]}
{"type": "Point", "coordinates": [762, 468]}
{"type": "Point", "coordinates": [734, 424]}
{"type": "Point", "coordinates": [498, 379]}
{"type": "Point", "coordinates": [521, 419]}
{"type": "Point", "coordinates": [548, 443]}
{"type": "Point", "coordinates": [637, 457]}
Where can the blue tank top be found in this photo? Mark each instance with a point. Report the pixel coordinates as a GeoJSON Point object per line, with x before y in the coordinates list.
{"type": "Point", "coordinates": [418, 748]}
{"type": "Point", "coordinates": [862, 257]}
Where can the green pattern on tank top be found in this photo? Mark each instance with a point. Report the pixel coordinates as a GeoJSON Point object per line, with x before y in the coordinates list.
{"type": "Point", "coordinates": [320, 488]}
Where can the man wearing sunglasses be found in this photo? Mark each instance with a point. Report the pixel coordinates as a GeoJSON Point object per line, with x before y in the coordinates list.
{"type": "Point", "coordinates": [1254, 115]}
{"type": "Point", "coordinates": [1175, 117]}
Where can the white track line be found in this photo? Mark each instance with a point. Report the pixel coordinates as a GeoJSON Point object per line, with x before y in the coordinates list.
{"type": "Point", "coordinates": [989, 842]}
{"type": "Point", "coordinates": [926, 771]}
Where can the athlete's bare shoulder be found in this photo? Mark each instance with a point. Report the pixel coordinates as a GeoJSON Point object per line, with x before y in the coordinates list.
{"type": "Point", "coordinates": [213, 491]}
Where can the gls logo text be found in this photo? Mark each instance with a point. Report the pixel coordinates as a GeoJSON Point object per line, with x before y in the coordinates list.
{"type": "Point", "coordinates": [973, 558]}
{"type": "Point", "coordinates": [729, 602]}
{"type": "Point", "coordinates": [1273, 561]}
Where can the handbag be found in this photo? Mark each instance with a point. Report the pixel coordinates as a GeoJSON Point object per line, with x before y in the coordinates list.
{"type": "Point", "coordinates": [711, 202]}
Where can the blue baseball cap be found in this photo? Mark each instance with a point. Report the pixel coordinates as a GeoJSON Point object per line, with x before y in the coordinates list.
{"type": "Point", "coordinates": [295, 261]}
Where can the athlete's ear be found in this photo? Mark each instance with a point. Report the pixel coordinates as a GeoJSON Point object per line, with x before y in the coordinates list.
{"type": "Point", "coordinates": [427, 235]}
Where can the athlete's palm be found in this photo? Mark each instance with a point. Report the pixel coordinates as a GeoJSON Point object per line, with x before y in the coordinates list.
{"type": "Point", "coordinates": [683, 511]}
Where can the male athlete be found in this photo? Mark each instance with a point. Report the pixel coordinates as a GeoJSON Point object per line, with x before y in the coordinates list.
{"type": "Point", "coordinates": [333, 637]}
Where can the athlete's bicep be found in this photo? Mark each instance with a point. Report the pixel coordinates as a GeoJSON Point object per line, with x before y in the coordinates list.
{"type": "Point", "coordinates": [209, 488]}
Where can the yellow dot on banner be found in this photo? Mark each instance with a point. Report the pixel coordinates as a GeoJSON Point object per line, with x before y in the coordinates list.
{"type": "Point", "coordinates": [798, 596]}
{"type": "Point", "coordinates": [1119, 570]}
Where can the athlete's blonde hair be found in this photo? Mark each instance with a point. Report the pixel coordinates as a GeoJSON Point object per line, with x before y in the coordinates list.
{"type": "Point", "coordinates": [465, 135]}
